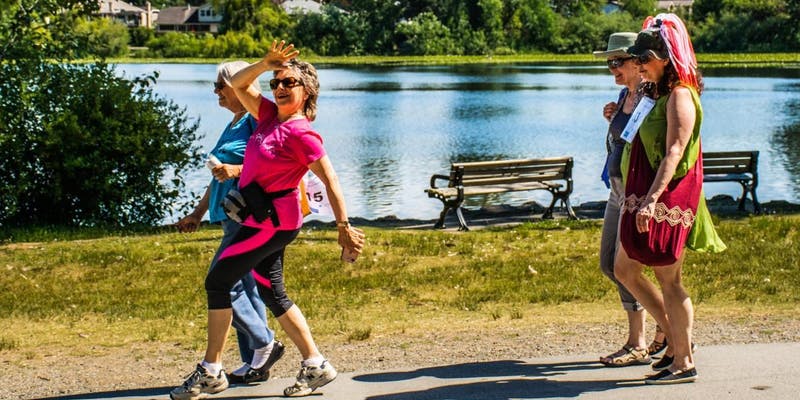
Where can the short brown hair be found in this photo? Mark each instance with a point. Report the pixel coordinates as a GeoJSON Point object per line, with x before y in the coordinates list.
{"type": "Point", "coordinates": [308, 75]}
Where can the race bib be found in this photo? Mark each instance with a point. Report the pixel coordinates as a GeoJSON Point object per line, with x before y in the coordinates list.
{"type": "Point", "coordinates": [644, 107]}
{"type": "Point", "coordinates": [316, 195]}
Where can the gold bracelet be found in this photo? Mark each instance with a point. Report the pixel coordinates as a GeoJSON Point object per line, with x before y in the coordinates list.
{"type": "Point", "coordinates": [343, 224]}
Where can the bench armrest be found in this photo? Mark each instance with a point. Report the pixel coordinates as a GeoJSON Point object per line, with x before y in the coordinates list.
{"type": "Point", "coordinates": [436, 177]}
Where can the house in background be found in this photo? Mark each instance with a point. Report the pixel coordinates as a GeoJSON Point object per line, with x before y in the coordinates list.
{"type": "Point", "coordinates": [299, 6]}
{"type": "Point", "coordinates": [189, 19]}
{"type": "Point", "coordinates": [126, 13]}
{"type": "Point", "coordinates": [671, 5]}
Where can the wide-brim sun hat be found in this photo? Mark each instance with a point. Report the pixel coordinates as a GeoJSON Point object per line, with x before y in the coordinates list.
{"type": "Point", "coordinates": [618, 44]}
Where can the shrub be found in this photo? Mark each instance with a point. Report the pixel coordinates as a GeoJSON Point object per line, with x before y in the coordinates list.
{"type": "Point", "coordinates": [82, 146]}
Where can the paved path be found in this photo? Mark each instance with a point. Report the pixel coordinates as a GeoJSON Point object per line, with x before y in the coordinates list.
{"type": "Point", "coordinates": [753, 371]}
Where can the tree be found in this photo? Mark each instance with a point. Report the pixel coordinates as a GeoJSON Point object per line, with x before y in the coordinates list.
{"type": "Point", "coordinates": [333, 32]}
{"type": "Point", "coordinates": [425, 35]}
{"type": "Point", "coordinates": [380, 19]}
{"type": "Point", "coordinates": [261, 19]}
{"type": "Point", "coordinates": [639, 9]}
{"type": "Point", "coordinates": [532, 24]}
{"type": "Point", "coordinates": [81, 145]}
{"type": "Point", "coordinates": [103, 37]}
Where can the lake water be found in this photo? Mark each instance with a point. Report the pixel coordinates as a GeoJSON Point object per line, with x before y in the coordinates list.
{"type": "Point", "coordinates": [388, 129]}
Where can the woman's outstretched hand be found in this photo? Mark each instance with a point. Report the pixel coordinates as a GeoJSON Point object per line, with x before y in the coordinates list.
{"type": "Point", "coordinates": [278, 54]}
{"type": "Point", "coordinates": [351, 239]}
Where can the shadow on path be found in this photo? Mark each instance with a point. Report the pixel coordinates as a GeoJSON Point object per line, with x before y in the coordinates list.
{"type": "Point", "coordinates": [533, 384]}
{"type": "Point", "coordinates": [483, 370]}
{"type": "Point", "coordinates": [155, 392]}
{"type": "Point", "coordinates": [508, 389]}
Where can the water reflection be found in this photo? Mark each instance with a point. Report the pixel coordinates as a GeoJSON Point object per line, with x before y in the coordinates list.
{"type": "Point", "coordinates": [786, 143]}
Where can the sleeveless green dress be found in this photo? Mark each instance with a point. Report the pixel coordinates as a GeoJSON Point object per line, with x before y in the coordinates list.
{"type": "Point", "coordinates": [653, 134]}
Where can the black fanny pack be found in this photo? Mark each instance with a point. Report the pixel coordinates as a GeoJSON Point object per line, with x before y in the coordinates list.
{"type": "Point", "coordinates": [252, 200]}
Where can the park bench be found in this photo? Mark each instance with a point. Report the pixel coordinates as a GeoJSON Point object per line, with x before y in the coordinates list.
{"type": "Point", "coordinates": [489, 177]}
{"type": "Point", "coordinates": [734, 166]}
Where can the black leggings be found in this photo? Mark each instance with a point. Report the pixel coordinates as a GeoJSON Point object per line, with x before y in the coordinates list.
{"type": "Point", "coordinates": [256, 251]}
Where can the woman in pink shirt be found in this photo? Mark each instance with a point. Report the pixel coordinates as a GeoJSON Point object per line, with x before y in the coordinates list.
{"type": "Point", "coordinates": [281, 150]}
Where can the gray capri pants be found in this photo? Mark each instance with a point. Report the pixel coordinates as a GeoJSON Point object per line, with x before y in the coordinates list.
{"type": "Point", "coordinates": [609, 242]}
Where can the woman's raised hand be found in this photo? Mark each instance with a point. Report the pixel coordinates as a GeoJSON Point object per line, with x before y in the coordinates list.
{"type": "Point", "coordinates": [278, 54]}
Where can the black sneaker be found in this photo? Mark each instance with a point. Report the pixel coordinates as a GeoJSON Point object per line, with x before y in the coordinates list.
{"type": "Point", "coordinates": [261, 374]}
{"type": "Point", "coordinates": [235, 379]}
{"type": "Point", "coordinates": [664, 363]}
{"type": "Point", "coordinates": [668, 378]}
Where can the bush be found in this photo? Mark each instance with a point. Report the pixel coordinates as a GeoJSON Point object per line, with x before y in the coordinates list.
{"type": "Point", "coordinates": [140, 36]}
{"type": "Point", "coordinates": [103, 37]}
{"type": "Point", "coordinates": [175, 44]}
{"type": "Point", "coordinates": [84, 147]}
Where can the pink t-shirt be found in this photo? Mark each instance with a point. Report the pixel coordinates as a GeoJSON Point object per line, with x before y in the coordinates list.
{"type": "Point", "coordinates": [277, 156]}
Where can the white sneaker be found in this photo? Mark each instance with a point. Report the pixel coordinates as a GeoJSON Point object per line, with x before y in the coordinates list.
{"type": "Point", "coordinates": [198, 383]}
{"type": "Point", "coordinates": [310, 378]}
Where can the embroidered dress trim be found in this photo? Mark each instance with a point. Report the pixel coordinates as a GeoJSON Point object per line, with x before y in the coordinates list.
{"type": "Point", "coordinates": [674, 216]}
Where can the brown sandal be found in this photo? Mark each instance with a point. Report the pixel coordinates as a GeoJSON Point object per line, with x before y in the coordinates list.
{"type": "Point", "coordinates": [626, 356]}
{"type": "Point", "coordinates": [657, 347]}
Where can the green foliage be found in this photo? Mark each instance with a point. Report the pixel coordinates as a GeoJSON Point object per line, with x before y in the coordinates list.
{"type": "Point", "coordinates": [425, 35]}
{"type": "Point", "coordinates": [81, 146]}
{"type": "Point", "coordinates": [89, 147]}
{"type": "Point", "coordinates": [103, 37]}
{"type": "Point", "coordinates": [588, 32]}
{"type": "Point", "coordinates": [139, 36]}
{"type": "Point", "coordinates": [532, 25]}
{"type": "Point", "coordinates": [639, 9]}
{"type": "Point", "coordinates": [175, 44]}
{"type": "Point", "coordinates": [262, 19]}
{"type": "Point", "coordinates": [229, 44]}
{"type": "Point", "coordinates": [332, 32]}
{"type": "Point", "coordinates": [747, 25]}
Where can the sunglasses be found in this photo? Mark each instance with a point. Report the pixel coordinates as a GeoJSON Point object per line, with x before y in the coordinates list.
{"type": "Point", "coordinates": [287, 83]}
{"type": "Point", "coordinates": [643, 58]}
{"type": "Point", "coordinates": [218, 85]}
{"type": "Point", "coordinates": [615, 63]}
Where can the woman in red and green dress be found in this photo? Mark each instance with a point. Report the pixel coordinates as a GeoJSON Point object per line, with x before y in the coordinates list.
{"type": "Point", "coordinates": [664, 210]}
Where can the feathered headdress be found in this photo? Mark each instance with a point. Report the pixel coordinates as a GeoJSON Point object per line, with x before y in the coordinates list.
{"type": "Point", "coordinates": [676, 38]}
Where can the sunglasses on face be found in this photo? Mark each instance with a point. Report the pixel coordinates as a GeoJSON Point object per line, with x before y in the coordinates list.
{"type": "Point", "coordinates": [219, 85]}
{"type": "Point", "coordinates": [615, 63]}
{"type": "Point", "coordinates": [287, 83]}
{"type": "Point", "coordinates": [643, 58]}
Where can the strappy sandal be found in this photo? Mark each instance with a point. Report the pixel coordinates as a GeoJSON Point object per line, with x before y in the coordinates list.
{"type": "Point", "coordinates": [628, 355]}
{"type": "Point", "coordinates": [657, 347]}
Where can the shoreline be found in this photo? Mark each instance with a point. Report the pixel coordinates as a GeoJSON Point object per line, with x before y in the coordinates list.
{"type": "Point", "coordinates": [724, 206]}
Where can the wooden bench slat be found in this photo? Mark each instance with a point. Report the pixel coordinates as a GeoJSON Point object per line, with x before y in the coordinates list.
{"type": "Point", "coordinates": [510, 179]}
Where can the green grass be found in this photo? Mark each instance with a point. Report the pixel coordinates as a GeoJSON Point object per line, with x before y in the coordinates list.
{"type": "Point", "coordinates": [715, 60]}
{"type": "Point", "coordinates": [118, 288]}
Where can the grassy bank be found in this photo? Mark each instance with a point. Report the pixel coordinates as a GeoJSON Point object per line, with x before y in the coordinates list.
{"type": "Point", "coordinates": [717, 60]}
{"type": "Point", "coordinates": [75, 292]}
